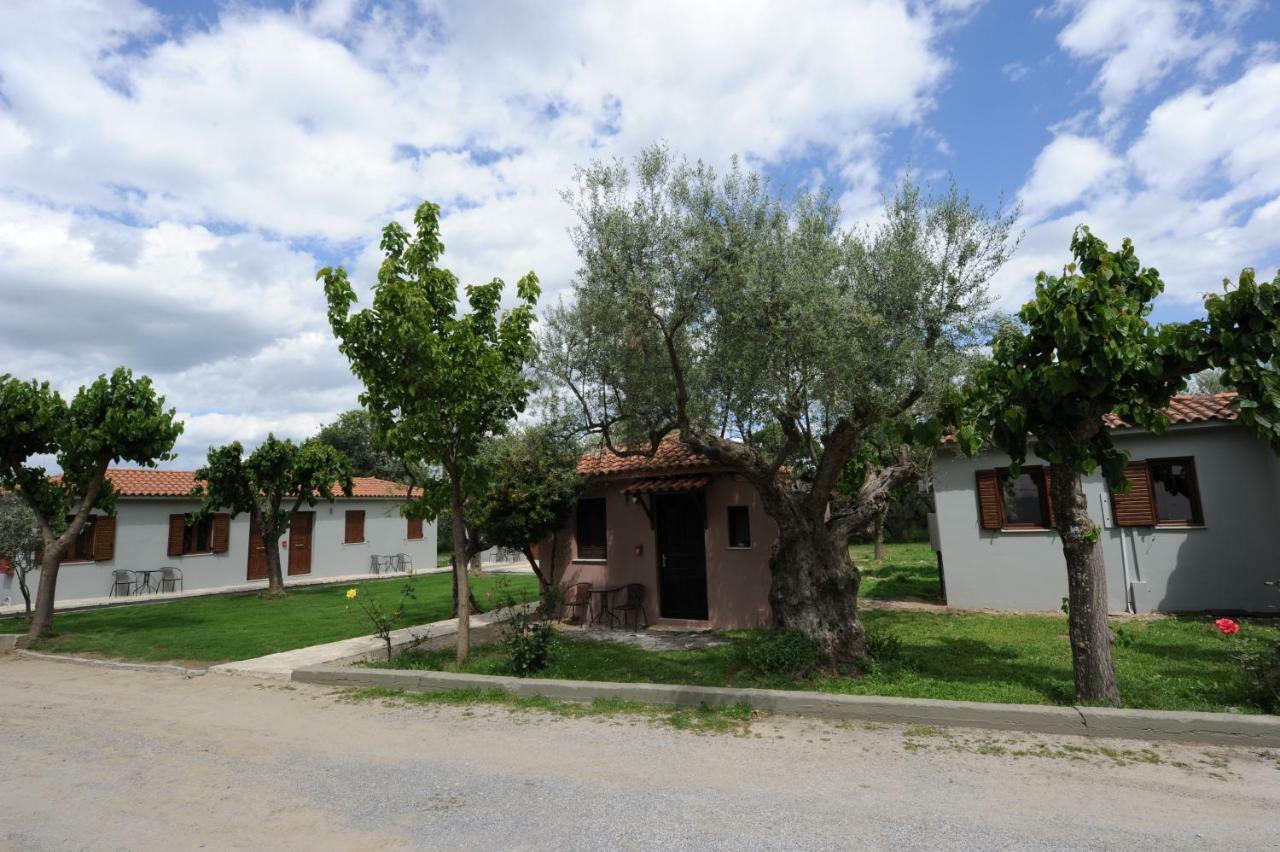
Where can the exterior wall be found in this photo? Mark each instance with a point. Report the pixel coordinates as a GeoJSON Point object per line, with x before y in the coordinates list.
{"type": "Point", "coordinates": [1218, 566]}
{"type": "Point", "coordinates": [142, 536]}
{"type": "Point", "coordinates": [737, 579]}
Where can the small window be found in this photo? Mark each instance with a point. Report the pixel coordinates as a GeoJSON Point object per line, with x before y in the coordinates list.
{"type": "Point", "coordinates": [592, 529]}
{"type": "Point", "coordinates": [414, 531]}
{"type": "Point", "coordinates": [1025, 500]}
{"type": "Point", "coordinates": [355, 527]}
{"type": "Point", "coordinates": [198, 537]}
{"type": "Point", "coordinates": [739, 526]}
{"type": "Point", "coordinates": [1177, 497]}
{"type": "Point", "coordinates": [81, 548]}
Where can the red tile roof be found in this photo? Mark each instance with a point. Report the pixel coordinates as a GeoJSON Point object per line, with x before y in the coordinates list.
{"type": "Point", "coordinates": [1190, 408]}
{"type": "Point", "coordinates": [670, 455]}
{"type": "Point", "coordinates": [146, 482]}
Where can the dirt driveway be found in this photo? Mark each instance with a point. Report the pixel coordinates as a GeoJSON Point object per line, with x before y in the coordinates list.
{"type": "Point", "coordinates": [98, 759]}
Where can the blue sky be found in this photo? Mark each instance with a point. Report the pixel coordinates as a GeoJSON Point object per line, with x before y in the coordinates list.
{"type": "Point", "coordinates": [172, 173]}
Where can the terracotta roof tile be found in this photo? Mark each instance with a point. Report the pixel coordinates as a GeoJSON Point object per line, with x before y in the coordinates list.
{"type": "Point", "coordinates": [670, 455]}
{"type": "Point", "coordinates": [146, 482]}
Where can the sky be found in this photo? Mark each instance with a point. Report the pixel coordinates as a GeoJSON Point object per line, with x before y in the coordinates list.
{"type": "Point", "coordinates": [173, 173]}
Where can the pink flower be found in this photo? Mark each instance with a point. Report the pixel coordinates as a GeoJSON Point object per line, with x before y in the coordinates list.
{"type": "Point", "coordinates": [1227, 626]}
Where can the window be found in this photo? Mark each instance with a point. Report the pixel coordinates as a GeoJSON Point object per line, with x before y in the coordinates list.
{"type": "Point", "coordinates": [208, 534]}
{"type": "Point", "coordinates": [355, 527]}
{"type": "Point", "coordinates": [81, 548]}
{"type": "Point", "coordinates": [739, 526]}
{"type": "Point", "coordinates": [1173, 484]}
{"type": "Point", "coordinates": [1025, 499]}
{"type": "Point", "coordinates": [592, 529]}
{"type": "Point", "coordinates": [414, 529]}
{"type": "Point", "coordinates": [198, 537]}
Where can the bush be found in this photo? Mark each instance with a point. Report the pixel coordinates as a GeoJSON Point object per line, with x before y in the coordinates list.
{"type": "Point", "coordinates": [1263, 669]}
{"type": "Point", "coordinates": [780, 651]}
{"type": "Point", "coordinates": [883, 645]}
{"type": "Point", "coordinates": [527, 635]}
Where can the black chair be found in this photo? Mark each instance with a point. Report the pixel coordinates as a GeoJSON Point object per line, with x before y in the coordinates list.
{"type": "Point", "coordinates": [632, 601]}
{"type": "Point", "coordinates": [577, 602]}
{"type": "Point", "coordinates": [123, 583]}
{"type": "Point", "coordinates": [170, 579]}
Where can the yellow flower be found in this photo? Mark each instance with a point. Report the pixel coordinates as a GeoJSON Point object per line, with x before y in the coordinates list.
{"type": "Point", "coordinates": [351, 594]}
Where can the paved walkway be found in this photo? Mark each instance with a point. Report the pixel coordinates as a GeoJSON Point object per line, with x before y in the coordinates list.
{"type": "Point", "coordinates": [146, 761]}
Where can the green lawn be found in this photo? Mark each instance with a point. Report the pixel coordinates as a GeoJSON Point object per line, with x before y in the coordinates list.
{"type": "Point", "coordinates": [236, 627]}
{"type": "Point", "coordinates": [908, 572]}
{"type": "Point", "coordinates": [1169, 664]}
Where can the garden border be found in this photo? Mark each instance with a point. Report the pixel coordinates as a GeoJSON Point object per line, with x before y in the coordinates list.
{"type": "Point", "coordinates": [1162, 725]}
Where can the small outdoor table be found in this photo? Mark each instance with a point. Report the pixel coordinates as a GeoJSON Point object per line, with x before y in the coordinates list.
{"type": "Point", "coordinates": [145, 583]}
{"type": "Point", "coordinates": [603, 595]}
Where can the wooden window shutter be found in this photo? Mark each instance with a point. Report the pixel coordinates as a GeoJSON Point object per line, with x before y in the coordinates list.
{"type": "Point", "coordinates": [1136, 508]}
{"type": "Point", "coordinates": [1048, 496]}
{"type": "Point", "coordinates": [220, 536]}
{"type": "Point", "coordinates": [104, 538]}
{"type": "Point", "coordinates": [415, 528]}
{"type": "Point", "coordinates": [355, 526]}
{"type": "Point", "coordinates": [989, 510]}
{"type": "Point", "coordinates": [177, 528]}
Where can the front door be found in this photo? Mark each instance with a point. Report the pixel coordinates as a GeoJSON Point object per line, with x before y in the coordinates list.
{"type": "Point", "coordinates": [257, 552]}
{"type": "Point", "coordinates": [300, 542]}
{"type": "Point", "coordinates": [682, 557]}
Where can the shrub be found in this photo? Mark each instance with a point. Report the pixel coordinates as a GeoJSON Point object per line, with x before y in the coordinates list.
{"type": "Point", "coordinates": [1263, 668]}
{"type": "Point", "coordinates": [883, 645]}
{"type": "Point", "coordinates": [781, 651]}
{"type": "Point", "coordinates": [526, 634]}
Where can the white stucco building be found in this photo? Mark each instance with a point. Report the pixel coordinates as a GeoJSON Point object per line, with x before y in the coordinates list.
{"type": "Point", "coordinates": [150, 531]}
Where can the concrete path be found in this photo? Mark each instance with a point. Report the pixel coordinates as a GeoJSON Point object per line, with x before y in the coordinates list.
{"type": "Point", "coordinates": [143, 761]}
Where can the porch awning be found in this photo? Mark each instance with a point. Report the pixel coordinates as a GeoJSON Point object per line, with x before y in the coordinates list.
{"type": "Point", "coordinates": [666, 484]}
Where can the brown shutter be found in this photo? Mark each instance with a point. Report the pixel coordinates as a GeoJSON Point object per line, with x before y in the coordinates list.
{"type": "Point", "coordinates": [104, 538]}
{"type": "Point", "coordinates": [355, 526]}
{"type": "Point", "coordinates": [989, 500]}
{"type": "Point", "coordinates": [1048, 496]}
{"type": "Point", "coordinates": [415, 528]}
{"type": "Point", "coordinates": [1137, 507]}
{"type": "Point", "coordinates": [221, 534]}
{"type": "Point", "coordinates": [177, 528]}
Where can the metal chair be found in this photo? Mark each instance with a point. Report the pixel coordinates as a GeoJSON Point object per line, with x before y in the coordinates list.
{"type": "Point", "coordinates": [406, 562]}
{"type": "Point", "coordinates": [579, 599]}
{"type": "Point", "coordinates": [123, 583]}
{"type": "Point", "coordinates": [170, 579]}
{"type": "Point", "coordinates": [632, 601]}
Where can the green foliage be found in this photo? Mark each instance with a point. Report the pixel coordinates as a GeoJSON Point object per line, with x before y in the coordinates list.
{"type": "Point", "coordinates": [384, 621]}
{"type": "Point", "coordinates": [527, 634]}
{"type": "Point", "coordinates": [353, 435]}
{"type": "Point", "coordinates": [19, 540]}
{"type": "Point", "coordinates": [1263, 669]}
{"type": "Point", "coordinates": [778, 652]}
{"type": "Point", "coordinates": [884, 647]}
{"type": "Point", "coordinates": [436, 384]}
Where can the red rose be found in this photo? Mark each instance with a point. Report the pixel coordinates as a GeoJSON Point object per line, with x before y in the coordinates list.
{"type": "Point", "coordinates": [1227, 626]}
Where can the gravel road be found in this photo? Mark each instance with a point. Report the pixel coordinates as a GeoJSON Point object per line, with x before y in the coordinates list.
{"type": "Point", "coordinates": [103, 759]}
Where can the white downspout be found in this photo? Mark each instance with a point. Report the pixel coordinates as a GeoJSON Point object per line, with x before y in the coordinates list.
{"type": "Point", "coordinates": [1129, 605]}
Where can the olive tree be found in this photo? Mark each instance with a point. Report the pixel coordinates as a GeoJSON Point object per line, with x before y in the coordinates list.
{"type": "Point", "coordinates": [438, 384]}
{"type": "Point", "coordinates": [19, 543]}
{"type": "Point", "coordinates": [1083, 348]}
{"type": "Point", "coordinates": [270, 485]}
{"type": "Point", "coordinates": [115, 418]}
{"type": "Point", "coordinates": [773, 341]}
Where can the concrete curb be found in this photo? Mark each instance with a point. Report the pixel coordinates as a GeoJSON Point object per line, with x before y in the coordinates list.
{"type": "Point", "coordinates": [12, 641]}
{"type": "Point", "coordinates": [112, 664]}
{"type": "Point", "coordinates": [1170, 726]}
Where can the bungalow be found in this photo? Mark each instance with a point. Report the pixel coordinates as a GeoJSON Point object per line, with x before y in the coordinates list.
{"type": "Point", "coordinates": [1196, 532]}
{"type": "Point", "coordinates": [150, 530]}
{"type": "Point", "coordinates": [692, 533]}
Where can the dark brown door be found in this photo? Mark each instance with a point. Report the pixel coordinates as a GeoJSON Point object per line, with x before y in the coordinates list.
{"type": "Point", "coordinates": [682, 557]}
{"type": "Point", "coordinates": [257, 553]}
{"type": "Point", "coordinates": [300, 542]}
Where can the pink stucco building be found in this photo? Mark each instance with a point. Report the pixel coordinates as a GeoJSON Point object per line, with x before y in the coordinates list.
{"type": "Point", "coordinates": [692, 533]}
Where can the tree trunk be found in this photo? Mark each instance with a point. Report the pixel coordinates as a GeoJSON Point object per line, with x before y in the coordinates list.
{"type": "Point", "coordinates": [26, 592]}
{"type": "Point", "coordinates": [878, 555]}
{"type": "Point", "coordinates": [1095, 675]}
{"type": "Point", "coordinates": [814, 589]}
{"type": "Point", "coordinates": [473, 566]}
{"type": "Point", "coordinates": [461, 580]}
{"type": "Point", "coordinates": [275, 575]}
{"type": "Point", "coordinates": [42, 620]}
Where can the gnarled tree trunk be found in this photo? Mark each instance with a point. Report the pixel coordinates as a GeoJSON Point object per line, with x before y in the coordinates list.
{"type": "Point", "coordinates": [814, 589]}
{"type": "Point", "coordinates": [1095, 676]}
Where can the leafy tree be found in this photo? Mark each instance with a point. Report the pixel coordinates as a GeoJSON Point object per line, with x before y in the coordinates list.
{"type": "Point", "coordinates": [270, 485]}
{"type": "Point", "coordinates": [1207, 382]}
{"type": "Point", "coordinates": [774, 342]}
{"type": "Point", "coordinates": [352, 434]}
{"type": "Point", "coordinates": [1084, 349]}
{"type": "Point", "coordinates": [19, 541]}
{"type": "Point", "coordinates": [117, 417]}
{"type": "Point", "coordinates": [531, 490]}
{"type": "Point", "coordinates": [437, 384]}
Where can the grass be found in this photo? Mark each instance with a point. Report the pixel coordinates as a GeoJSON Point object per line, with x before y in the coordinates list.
{"type": "Point", "coordinates": [1164, 663]}
{"type": "Point", "coordinates": [908, 572]}
{"type": "Point", "coordinates": [733, 719]}
{"type": "Point", "coordinates": [237, 627]}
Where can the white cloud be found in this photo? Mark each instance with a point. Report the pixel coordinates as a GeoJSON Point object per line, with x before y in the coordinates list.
{"type": "Point", "coordinates": [1064, 171]}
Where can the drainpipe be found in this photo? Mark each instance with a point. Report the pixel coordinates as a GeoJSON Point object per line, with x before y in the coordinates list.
{"type": "Point", "coordinates": [1129, 605]}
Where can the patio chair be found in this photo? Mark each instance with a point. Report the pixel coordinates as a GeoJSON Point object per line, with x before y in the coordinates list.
{"type": "Point", "coordinates": [578, 599]}
{"type": "Point", "coordinates": [170, 579]}
{"type": "Point", "coordinates": [123, 583]}
{"type": "Point", "coordinates": [406, 562]}
{"type": "Point", "coordinates": [633, 602]}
